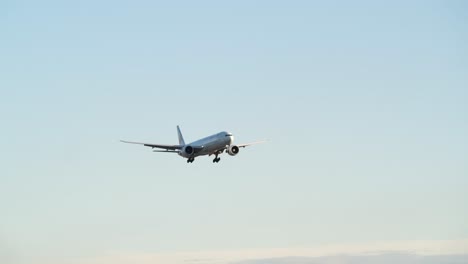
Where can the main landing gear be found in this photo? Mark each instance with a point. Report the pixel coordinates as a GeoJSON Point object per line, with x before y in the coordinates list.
{"type": "Point", "coordinates": [216, 159]}
{"type": "Point", "coordinates": [190, 160]}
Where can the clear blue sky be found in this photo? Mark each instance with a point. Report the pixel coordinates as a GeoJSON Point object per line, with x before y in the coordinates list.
{"type": "Point", "coordinates": [364, 103]}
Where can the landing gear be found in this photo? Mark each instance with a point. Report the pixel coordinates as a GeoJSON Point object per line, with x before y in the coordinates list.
{"type": "Point", "coordinates": [190, 160]}
{"type": "Point", "coordinates": [216, 159]}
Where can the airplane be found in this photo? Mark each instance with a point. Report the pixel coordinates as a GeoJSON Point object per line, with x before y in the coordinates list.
{"type": "Point", "coordinates": [211, 145]}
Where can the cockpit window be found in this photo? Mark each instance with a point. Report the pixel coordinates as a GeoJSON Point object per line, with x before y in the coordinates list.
{"type": "Point", "coordinates": [228, 135]}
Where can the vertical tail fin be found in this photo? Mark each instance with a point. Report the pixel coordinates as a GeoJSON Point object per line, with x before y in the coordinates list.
{"type": "Point", "coordinates": [181, 138]}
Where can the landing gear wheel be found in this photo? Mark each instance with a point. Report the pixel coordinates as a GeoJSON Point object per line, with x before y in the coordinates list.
{"type": "Point", "coordinates": [216, 160]}
{"type": "Point", "coordinates": [190, 160]}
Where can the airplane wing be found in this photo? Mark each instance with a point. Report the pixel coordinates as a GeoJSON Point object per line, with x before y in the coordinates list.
{"type": "Point", "coordinates": [239, 146]}
{"type": "Point", "coordinates": [166, 147]}
{"type": "Point", "coordinates": [166, 151]}
{"type": "Point", "coordinates": [249, 144]}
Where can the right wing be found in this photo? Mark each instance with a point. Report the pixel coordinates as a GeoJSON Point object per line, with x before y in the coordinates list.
{"type": "Point", "coordinates": [166, 147]}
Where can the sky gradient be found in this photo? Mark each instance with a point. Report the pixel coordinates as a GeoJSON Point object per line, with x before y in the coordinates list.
{"type": "Point", "coordinates": [364, 105]}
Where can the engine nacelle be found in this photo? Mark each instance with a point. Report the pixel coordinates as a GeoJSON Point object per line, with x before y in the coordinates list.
{"type": "Point", "coordinates": [188, 151]}
{"type": "Point", "coordinates": [233, 150]}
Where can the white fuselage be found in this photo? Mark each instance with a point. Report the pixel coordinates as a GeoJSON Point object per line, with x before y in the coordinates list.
{"type": "Point", "coordinates": [210, 144]}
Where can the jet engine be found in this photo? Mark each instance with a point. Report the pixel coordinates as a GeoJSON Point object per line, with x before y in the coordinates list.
{"type": "Point", "coordinates": [188, 150]}
{"type": "Point", "coordinates": [233, 150]}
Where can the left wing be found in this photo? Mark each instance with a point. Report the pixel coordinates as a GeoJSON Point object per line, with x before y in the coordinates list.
{"type": "Point", "coordinates": [249, 144]}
